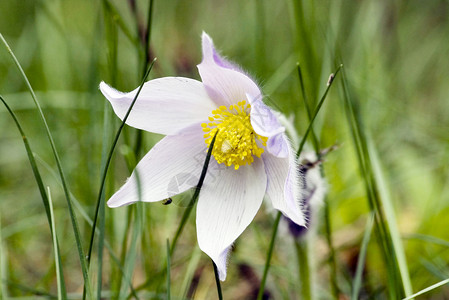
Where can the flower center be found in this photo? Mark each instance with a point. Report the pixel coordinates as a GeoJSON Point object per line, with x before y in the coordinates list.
{"type": "Point", "coordinates": [236, 141]}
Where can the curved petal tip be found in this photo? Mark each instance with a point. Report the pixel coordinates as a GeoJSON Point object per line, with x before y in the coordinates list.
{"type": "Point", "coordinates": [221, 263]}
{"type": "Point", "coordinates": [109, 92]}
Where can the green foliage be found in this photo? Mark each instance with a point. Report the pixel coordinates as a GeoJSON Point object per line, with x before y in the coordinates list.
{"type": "Point", "coordinates": [380, 234]}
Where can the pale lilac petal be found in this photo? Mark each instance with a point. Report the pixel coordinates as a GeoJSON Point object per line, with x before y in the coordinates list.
{"type": "Point", "coordinates": [165, 105]}
{"type": "Point", "coordinates": [263, 119]}
{"type": "Point", "coordinates": [283, 187]}
{"type": "Point", "coordinates": [225, 83]}
{"type": "Point", "coordinates": [171, 167]}
{"type": "Point", "coordinates": [228, 202]}
{"type": "Point", "coordinates": [278, 145]}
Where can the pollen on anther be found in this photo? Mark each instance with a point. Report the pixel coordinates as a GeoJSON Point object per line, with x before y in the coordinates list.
{"type": "Point", "coordinates": [236, 143]}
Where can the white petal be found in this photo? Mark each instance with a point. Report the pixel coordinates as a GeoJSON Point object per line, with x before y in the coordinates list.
{"type": "Point", "coordinates": [263, 119]}
{"type": "Point", "coordinates": [171, 167]}
{"type": "Point", "coordinates": [224, 83]}
{"type": "Point", "coordinates": [278, 145]}
{"type": "Point", "coordinates": [227, 204]}
{"type": "Point", "coordinates": [165, 105]}
{"type": "Point", "coordinates": [283, 186]}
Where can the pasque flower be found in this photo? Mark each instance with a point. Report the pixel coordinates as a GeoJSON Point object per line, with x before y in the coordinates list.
{"type": "Point", "coordinates": [252, 156]}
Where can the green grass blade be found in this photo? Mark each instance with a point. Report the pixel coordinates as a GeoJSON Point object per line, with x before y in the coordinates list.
{"type": "Point", "coordinates": [100, 247]}
{"type": "Point", "coordinates": [74, 221]}
{"type": "Point", "coordinates": [217, 281]}
{"type": "Point", "coordinates": [190, 272]}
{"type": "Point", "coordinates": [59, 279]}
{"type": "Point", "coordinates": [32, 161]}
{"type": "Point", "coordinates": [303, 259]}
{"type": "Point", "coordinates": [147, 39]}
{"type": "Point", "coordinates": [269, 255]}
{"type": "Point", "coordinates": [428, 239]}
{"type": "Point", "coordinates": [308, 107]}
{"type": "Point", "coordinates": [101, 196]}
{"type": "Point", "coordinates": [332, 259]}
{"type": "Point", "coordinates": [89, 221]}
{"type": "Point", "coordinates": [192, 202]}
{"type": "Point", "coordinates": [361, 259]}
{"type": "Point", "coordinates": [168, 270]}
{"type": "Point", "coordinates": [120, 22]}
{"type": "Point", "coordinates": [131, 253]}
{"type": "Point", "coordinates": [395, 287]}
{"type": "Point", "coordinates": [279, 76]}
{"type": "Point", "coordinates": [306, 270]}
{"type": "Point", "coordinates": [317, 110]}
{"type": "Point", "coordinates": [108, 161]}
{"type": "Point", "coordinates": [391, 220]}
{"type": "Point", "coordinates": [428, 289]}
{"type": "Point", "coordinates": [44, 196]}
{"type": "Point", "coordinates": [3, 268]}
{"type": "Point", "coordinates": [276, 223]}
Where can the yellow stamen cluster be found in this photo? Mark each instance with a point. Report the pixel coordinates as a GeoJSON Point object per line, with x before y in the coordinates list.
{"type": "Point", "coordinates": [236, 141]}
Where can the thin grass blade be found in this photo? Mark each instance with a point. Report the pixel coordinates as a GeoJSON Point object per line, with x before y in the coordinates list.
{"type": "Point", "coordinates": [395, 287]}
{"type": "Point", "coordinates": [278, 217]}
{"type": "Point", "coordinates": [45, 199]}
{"type": "Point", "coordinates": [269, 255]}
{"type": "Point", "coordinates": [73, 219]}
{"type": "Point", "coordinates": [168, 270]}
{"type": "Point", "coordinates": [121, 23]}
{"type": "Point", "coordinates": [356, 285]}
{"type": "Point", "coordinates": [108, 162]}
{"type": "Point", "coordinates": [131, 254]}
{"type": "Point", "coordinates": [59, 279]}
{"type": "Point", "coordinates": [192, 202]}
{"type": "Point", "coordinates": [317, 109]}
{"type": "Point", "coordinates": [3, 269]}
{"type": "Point", "coordinates": [428, 289]}
{"type": "Point", "coordinates": [217, 281]}
{"type": "Point", "coordinates": [391, 220]}
{"type": "Point", "coordinates": [89, 221]}
{"type": "Point", "coordinates": [303, 258]}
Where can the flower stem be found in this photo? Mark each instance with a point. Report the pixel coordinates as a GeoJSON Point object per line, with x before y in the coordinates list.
{"type": "Point", "coordinates": [168, 269]}
{"type": "Point", "coordinates": [332, 261]}
{"type": "Point", "coordinates": [269, 255]}
{"type": "Point", "coordinates": [302, 254]}
{"type": "Point", "coordinates": [217, 281]}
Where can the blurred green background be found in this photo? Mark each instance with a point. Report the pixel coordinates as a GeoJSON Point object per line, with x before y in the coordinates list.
{"type": "Point", "coordinates": [396, 67]}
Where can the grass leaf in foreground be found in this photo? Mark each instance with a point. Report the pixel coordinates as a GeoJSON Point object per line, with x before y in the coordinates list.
{"type": "Point", "coordinates": [428, 289]}
{"type": "Point", "coordinates": [398, 283]}
{"type": "Point", "coordinates": [391, 220]}
{"type": "Point", "coordinates": [45, 200]}
{"type": "Point", "coordinates": [74, 221]}
{"type": "Point", "coordinates": [189, 208]}
{"type": "Point", "coordinates": [59, 279]}
{"type": "Point", "coordinates": [89, 221]}
{"type": "Point", "coordinates": [168, 270]}
{"type": "Point", "coordinates": [3, 276]}
{"type": "Point", "coordinates": [101, 197]}
{"type": "Point", "coordinates": [217, 281]}
{"type": "Point", "coordinates": [361, 260]}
